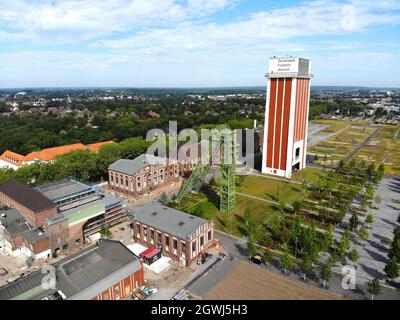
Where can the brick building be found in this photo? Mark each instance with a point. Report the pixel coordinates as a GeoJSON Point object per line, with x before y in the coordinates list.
{"type": "Point", "coordinates": [179, 235]}
{"type": "Point", "coordinates": [33, 206]}
{"type": "Point", "coordinates": [108, 271]}
{"type": "Point", "coordinates": [57, 216]}
{"type": "Point", "coordinates": [142, 175]}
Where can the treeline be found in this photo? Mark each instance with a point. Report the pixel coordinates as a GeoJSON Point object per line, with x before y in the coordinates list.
{"type": "Point", "coordinates": [116, 121]}
{"type": "Point", "coordinates": [345, 107]}
{"type": "Point", "coordinates": [85, 165]}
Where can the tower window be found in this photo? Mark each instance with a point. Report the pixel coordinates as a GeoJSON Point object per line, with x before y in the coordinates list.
{"type": "Point", "coordinates": [297, 152]}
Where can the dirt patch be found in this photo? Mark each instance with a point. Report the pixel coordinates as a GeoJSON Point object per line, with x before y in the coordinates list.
{"type": "Point", "coordinates": [249, 282]}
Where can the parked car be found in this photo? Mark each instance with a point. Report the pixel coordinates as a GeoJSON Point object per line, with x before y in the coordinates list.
{"type": "Point", "coordinates": [257, 259]}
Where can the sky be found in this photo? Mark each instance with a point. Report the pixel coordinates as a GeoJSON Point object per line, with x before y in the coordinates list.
{"type": "Point", "coordinates": [195, 43]}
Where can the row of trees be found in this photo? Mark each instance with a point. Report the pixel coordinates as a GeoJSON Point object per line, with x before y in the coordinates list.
{"type": "Point", "coordinates": [82, 164]}
{"type": "Point", "coordinates": [392, 267]}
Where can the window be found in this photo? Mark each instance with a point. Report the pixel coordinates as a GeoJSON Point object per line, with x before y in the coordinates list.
{"type": "Point", "coordinates": [158, 237]}
{"type": "Point", "coordinates": [167, 241]}
{"type": "Point", "coordinates": [77, 242]}
{"type": "Point", "coordinates": [112, 178]}
{"type": "Point", "coordinates": [201, 241]}
{"type": "Point", "coordinates": [209, 235]}
{"type": "Point", "coordinates": [183, 247]}
{"type": "Point", "coordinates": [65, 247]}
{"type": "Point", "coordinates": [152, 234]}
{"type": "Point", "coordinates": [126, 182]}
{"type": "Point", "coordinates": [175, 244]}
{"type": "Point", "coordinates": [144, 231]}
{"type": "Point", "coordinates": [194, 246]}
{"type": "Point", "coordinates": [117, 291]}
{"type": "Point", "coordinates": [297, 152]}
{"type": "Point", "coordinates": [138, 228]}
{"type": "Point", "coordinates": [117, 179]}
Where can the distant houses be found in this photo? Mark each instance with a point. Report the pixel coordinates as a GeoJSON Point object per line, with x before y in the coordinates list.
{"type": "Point", "coordinates": [15, 161]}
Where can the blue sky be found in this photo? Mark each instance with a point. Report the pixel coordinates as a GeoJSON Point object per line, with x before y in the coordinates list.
{"type": "Point", "coordinates": [190, 43]}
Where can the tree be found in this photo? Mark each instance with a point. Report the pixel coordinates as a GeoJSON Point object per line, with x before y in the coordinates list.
{"type": "Point", "coordinates": [380, 172]}
{"type": "Point", "coordinates": [363, 234]}
{"type": "Point", "coordinates": [296, 205]}
{"type": "Point", "coordinates": [305, 267]}
{"type": "Point", "coordinates": [369, 219]}
{"type": "Point", "coordinates": [394, 250]}
{"type": "Point", "coordinates": [344, 244]}
{"type": "Point", "coordinates": [373, 287]}
{"type": "Point", "coordinates": [326, 272]}
{"type": "Point", "coordinates": [392, 268]}
{"type": "Point", "coordinates": [353, 255]}
{"type": "Point", "coordinates": [286, 261]}
{"type": "Point", "coordinates": [164, 199]}
{"type": "Point", "coordinates": [354, 221]}
{"type": "Point", "coordinates": [251, 248]}
{"type": "Point", "coordinates": [268, 257]}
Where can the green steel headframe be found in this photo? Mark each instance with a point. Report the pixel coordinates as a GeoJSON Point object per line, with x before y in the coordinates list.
{"type": "Point", "coordinates": [223, 146]}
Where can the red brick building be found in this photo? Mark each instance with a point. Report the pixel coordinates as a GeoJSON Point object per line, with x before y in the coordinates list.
{"type": "Point", "coordinates": [179, 235]}
{"type": "Point", "coordinates": [108, 271]}
{"type": "Point", "coordinates": [33, 206]}
{"type": "Point", "coordinates": [142, 175]}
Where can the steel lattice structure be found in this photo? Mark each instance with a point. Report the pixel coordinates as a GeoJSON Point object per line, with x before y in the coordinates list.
{"type": "Point", "coordinates": [223, 146]}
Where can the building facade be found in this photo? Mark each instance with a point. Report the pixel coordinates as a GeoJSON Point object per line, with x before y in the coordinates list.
{"type": "Point", "coordinates": [181, 236]}
{"type": "Point", "coordinates": [286, 116]}
{"type": "Point", "coordinates": [107, 271]}
{"type": "Point", "coordinates": [142, 175]}
{"type": "Point", "coordinates": [55, 217]}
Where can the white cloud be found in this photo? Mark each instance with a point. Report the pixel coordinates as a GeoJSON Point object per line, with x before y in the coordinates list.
{"type": "Point", "coordinates": [310, 19]}
{"type": "Point", "coordinates": [77, 20]}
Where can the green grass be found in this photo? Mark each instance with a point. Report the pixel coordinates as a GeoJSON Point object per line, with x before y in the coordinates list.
{"type": "Point", "coordinates": [383, 148]}
{"type": "Point", "coordinates": [310, 175]}
{"type": "Point", "coordinates": [266, 188]}
{"type": "Point", "coordinates": [262, 211]}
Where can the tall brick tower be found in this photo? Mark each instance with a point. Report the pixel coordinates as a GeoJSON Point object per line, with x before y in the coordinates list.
{"type": "Point", "coordinates": [286, 116]}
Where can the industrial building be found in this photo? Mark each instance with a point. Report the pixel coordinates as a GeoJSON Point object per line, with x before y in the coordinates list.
{"type": "Point", "coordinates": [286, 116]}
{"type": "Point", "coordinates": [54, 217]}
{"type": "Point", "coordinates": [179, 235]}
{"type": "Point", "coordinates": [142, 175]}
{"type": "Point", "coordinates": [107, 271]}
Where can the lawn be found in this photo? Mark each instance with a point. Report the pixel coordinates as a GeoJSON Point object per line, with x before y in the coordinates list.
{"type": "Point", "coordinates": [262, 211]}
{"type": "Point", "coordinates": [310, 175]}
{"type": "Point", "coordinates": [266, 188]}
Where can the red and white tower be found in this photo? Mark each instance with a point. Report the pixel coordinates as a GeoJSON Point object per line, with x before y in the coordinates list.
{"type": "Point", "coordinates": [286, 116]}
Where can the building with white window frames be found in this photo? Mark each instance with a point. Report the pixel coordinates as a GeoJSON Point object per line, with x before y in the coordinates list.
{"type": "Point", "coordinates": [179, 235]}
{"type": "Point", "coordinates": [142, 175]}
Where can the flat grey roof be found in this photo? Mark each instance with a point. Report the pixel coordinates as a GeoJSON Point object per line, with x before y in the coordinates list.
{"type": "Point", "coordinates": [81, 276]}
{"type": "Point", "coordinates": [132, 166]}
{"type": "Point", "coordinates": [174, 222]}
{"type": "Point", "coordinates": [64, 189]}
{"type": "Point", "coordinates": [35, 235]}
{"type": "Point", "coordinates": [14, 222]}
{"type": "Point", "coordinates": [107, 200]}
